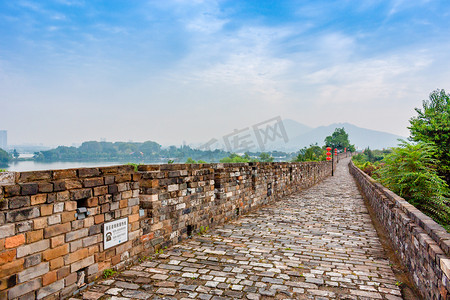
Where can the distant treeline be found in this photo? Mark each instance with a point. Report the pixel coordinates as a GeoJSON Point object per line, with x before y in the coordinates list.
{"type": "Point", "coordinates": [137, 152]}
{"type": "Point", "coordinates": [126, 151]}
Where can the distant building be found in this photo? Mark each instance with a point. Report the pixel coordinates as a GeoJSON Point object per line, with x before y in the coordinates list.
{"type": "Point", "coordinates": [3, 139]}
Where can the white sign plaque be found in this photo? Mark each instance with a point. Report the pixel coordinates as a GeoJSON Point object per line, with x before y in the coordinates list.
{"type": "Point", "coordinates": [115, 233]}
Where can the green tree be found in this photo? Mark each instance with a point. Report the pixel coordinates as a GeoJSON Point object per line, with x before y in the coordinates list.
{"type": "Point", "coordinates": [16, 154]}
{"type": "Point", "coordinates": [234, 158]}
{"type": "Point", "coordinates": [312, 153]}
{"type": "Point", "coordinates": [432, 125]}
{"type": "Point", "coordinates": [410, 172]}
{"type": "Point", "coordinates": [265, 157]}
{"type": "Point", "coordinates": [4, 158]}
{"type": "Point", "coordinates": [190, 161]}
{"type": "Point", "coordinates": [339, 140]}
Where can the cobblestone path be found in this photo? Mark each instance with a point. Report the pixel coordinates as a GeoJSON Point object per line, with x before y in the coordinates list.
{"type": "Point", "coordinates": [317, 244]}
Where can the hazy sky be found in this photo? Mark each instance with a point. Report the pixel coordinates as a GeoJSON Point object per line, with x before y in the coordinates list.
{"type": "Point", "coordinates": [168, 71]}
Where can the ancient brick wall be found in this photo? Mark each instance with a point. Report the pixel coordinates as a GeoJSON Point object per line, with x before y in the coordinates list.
{"type": "Point", "coordinates": [52, 222]}
{"type": "Point", "coordinates": [51, 240]}
{"type": "Point", "coordinates": [422, 244]}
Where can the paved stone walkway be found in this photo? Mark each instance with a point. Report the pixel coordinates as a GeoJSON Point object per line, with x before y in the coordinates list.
{"type": "Point", "coordinates": [318, 244]}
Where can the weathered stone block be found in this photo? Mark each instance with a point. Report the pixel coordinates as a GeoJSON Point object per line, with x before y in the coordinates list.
{"type": "Point", "coordinates": [22, 214]}
{"type": "Point", "coordinates": [50, 289]}
{"type": "Point", "coordinates": [81, 264]}
{"type": "Point", "coordinates": [7, 256]}
{"type": "Point", "coordinates": [14, 241]}
{"type": "Point", "coordinates": [18, 202]}
{"type": "Point", "coordinates": [24, 226]}
{"type": "Point", "coordinates": [92, 182]}
{"type": "Point", "coordinates": [56, 230]}
{"type": "Point", "coordinates": [25, 288]}
{"type": "Point", "coordinates": [32, 260]}
{"type": "Point", "coordinates": [38, 199]}
{"type": "Point", "coordinates": [50, 254]}
{"type": "Point", "coordinates": [32, 248]}
{"type": "Point", "coordinates": [11, 190]}
{"type": "Point", "coordinates": [35, 176]}
{"type": "Point", "coordinates": [7, 178]}
{"type": "Point", "coordinates": [29, 188]}
{"type": "Point", "coordinates": [80, 194]}
{"type": "Point", "coordinates": [88, 172]}
{"type": "Point", "coordinates": [78, 234]}
{"type": "Point", "coordinates": [32, 272]}
{"type": "Point", "coordinates": [34, 236]}
{"type": "Point", "coordinates": [7, 230]}
{"type": "Point", "coordinates": [76, 256]}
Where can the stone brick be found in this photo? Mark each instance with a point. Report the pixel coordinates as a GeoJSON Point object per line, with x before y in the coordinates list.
{"type": "Point", "coordinates": [32, 260]}
{"type": "Point", "coordinates": [32, 272]}
{"type": "Point", "coordinates": [99, 219]}
{"type": "Point", "coordinates": [88, 172]}
{"type": "Point", "coordinates": [12, 190]}
{"type": "Point", "coordinates": [50, 289]}
{"type": "Point", "coordinates": [78, 234]}
{"type": "Point", "coordinates": [34, 236]}
{"type": "Point", "coordinates": [38, 199]}
{"type": "Point", "coordinates": [22, 214]}
{"type": "Point", "coordinates": [46, 210]}
{"type": "Point", "coordinates": [56, 263]}
{"type": "Point", "coordinates": [50, 254]}
{"type": "Point", "coordinates": [75, 256]}
{"type": "Point", "coordinates": [89, 241]}
{"type": "Point", "coordinates": [93, 182]}
{"type": "Point", "coordinates": [7, 256]}
{"type": "Point", "coordinates": [35, 176]}
{"type": "Point", "coordinates": [63, 174]}
{"type": "Point", "coordinates": [81, 264]}
{"type": "Point", "coordinates": [133, 218]}
{"type": "Point", "coordinates": [7, 230]}
{"type": "Point", "coordinates": [11, 268]}
{"type": "Point", "coordinates": [70, 279]}
{"type": "Point", "coordinates": [25, 288]}
{"type": "Point", "coordinates": [49, 278]}
{"type": "Point", "coordinates": [67, 216]}
{"type": "Point", "coordinates": [92, 202]}
{"type": "Point", "coordinates": [445, 266]}
{"type": "Point", "coordinates": [45, 187]}
{"type": "Point", "coordinates": [57, 241]}
{"type": "Point", "coordinates": [80, 194]}
{"type": "Point", "coordinates": [54, 219]}
{"type": "Point", "coordinates": [6, 283]}
{"type": "Point", "coordinates": [57, 230]}
{"type": "Point", "coordinates": [40, 223]}
{"type": "Point", "coordinates": [58, 208]}
{"type": "Point", "coordinates": [24, 226]}
{"type": "Point", "coordinates": [100, 190]}
{"type": "Point", "coordinates": [19, 202]}
{"type": "Point", "coordinates": [70, 205]}
{"type": "Point", "coordinates": [63, 196]}
{"type": "Point", "coordinates": [14, 241]}
{"type": "Point", "coordinates": [29, 189]}
{"type": "Point", "coordinates": [32, 248]}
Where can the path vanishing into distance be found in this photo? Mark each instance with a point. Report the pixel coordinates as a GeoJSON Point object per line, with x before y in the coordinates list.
{"type": "Point", "coordinates": [316, 244]}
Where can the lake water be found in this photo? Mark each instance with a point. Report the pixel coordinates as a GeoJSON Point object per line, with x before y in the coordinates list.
{"type": "Point", "coordinates": [21, 166]}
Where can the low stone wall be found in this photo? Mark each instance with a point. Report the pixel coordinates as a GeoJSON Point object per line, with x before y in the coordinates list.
{"type": "Point", "coordinates": [52, 222]}
{"type": "Point", "coordinates": [422, 244]}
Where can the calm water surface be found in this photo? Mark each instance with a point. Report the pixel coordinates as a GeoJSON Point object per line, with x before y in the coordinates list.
{"type": "Point", "coordinates": [22, 166]}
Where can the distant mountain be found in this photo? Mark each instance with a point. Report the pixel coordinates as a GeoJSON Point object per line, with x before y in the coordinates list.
{"type": "Point", "coordinates": [301, 136]}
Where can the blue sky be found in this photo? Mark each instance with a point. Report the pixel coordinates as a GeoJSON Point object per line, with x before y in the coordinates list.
{"type": "Point", "coordinates": [75, 70]}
